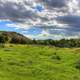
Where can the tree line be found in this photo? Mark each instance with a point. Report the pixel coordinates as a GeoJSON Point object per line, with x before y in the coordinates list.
{"type": "Point", "coordinates": [59, 43]}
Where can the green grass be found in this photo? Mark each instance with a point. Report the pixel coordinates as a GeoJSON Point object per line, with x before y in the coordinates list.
{"type": "Point", "coordinates": [31, 62]}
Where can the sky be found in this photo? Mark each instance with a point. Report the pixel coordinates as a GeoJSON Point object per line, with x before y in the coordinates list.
{"type": "Point", "coordinates": [41, 19]}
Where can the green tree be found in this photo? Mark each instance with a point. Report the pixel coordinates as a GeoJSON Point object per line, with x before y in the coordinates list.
{"type": "Point", "coordinates": [2, 39]}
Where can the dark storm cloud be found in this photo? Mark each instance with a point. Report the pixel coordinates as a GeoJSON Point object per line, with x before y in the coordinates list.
{"type": "Point", "coordinates": [65, 32]}
{"type": "Point", "coordinates": [55, 3]}
{"type": "Point", "coordinates": [15, 12]}
{"type": "Point", "coordinates": [73, 25]}
{"type": "Point", "coordinates": [71, 20]}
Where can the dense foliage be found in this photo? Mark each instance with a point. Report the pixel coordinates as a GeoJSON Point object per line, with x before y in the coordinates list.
{"type": "Point", "coordinates": [59, 43]}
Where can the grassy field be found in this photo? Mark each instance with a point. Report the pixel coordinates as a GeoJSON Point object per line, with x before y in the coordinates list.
{"type": "Point", "coordinates": [31, 62]}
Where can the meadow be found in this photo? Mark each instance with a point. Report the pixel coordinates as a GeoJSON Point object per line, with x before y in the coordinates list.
{"type": "Point", "coordinates": [32, 62]}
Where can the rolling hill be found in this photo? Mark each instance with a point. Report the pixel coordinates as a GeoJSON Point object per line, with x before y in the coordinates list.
{"type": "Point", "coordinates": [13, 37]}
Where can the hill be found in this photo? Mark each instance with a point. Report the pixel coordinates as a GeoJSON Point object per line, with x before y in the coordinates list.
{"type": "Point", "coordinates": [13, 37]}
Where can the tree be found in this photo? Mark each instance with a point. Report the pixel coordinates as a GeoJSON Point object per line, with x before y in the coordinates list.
{"type": "Point", "coordinates": [2, 39]}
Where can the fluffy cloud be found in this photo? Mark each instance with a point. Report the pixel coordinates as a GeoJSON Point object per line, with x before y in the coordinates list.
{"type": "Point", "coordinates": [15, 11]}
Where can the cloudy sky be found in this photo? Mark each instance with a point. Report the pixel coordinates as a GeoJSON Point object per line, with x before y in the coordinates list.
{"type": "Point", "coordinates": [41, 19]}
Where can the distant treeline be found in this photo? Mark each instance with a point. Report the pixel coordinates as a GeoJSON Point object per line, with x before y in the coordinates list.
{"type": "Point", "coordinates": [16, 38]}
{"type": "Point", "coordinates": [59, 43]}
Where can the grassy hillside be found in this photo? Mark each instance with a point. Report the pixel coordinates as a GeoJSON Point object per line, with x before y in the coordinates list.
{"type": "Point", "coordinates": [13, 37]}
{"type": "Point", "coordinates": [26, 62]}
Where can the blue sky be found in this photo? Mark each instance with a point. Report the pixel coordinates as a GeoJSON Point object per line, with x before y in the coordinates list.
{"type": "Point", "coordinates": [41, 19]}
{"type": "Point", "coordinates": [31, 31]}
{"type": "Point", "coordinates": [4, 27]}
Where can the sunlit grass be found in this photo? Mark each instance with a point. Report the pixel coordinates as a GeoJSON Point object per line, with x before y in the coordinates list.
{"type": "Point", "coordinates": [31, 62]}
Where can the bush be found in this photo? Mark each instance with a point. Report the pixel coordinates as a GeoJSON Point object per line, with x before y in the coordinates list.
{"type": "Point", "coordinates": [77, 64]}
{"type": "Point", "coordinates": [2, 45]}
{"type": "Point", "coordinates": [2, 39]}
{"type": "Point", "coordinates": [56, 57]}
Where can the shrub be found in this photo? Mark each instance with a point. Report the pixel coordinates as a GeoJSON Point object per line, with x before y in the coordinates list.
{"type": "Point", "coordinates": [2, 39]}
{"type": "Point", "coordinates": [2, 45]}
{"type": "Point", "coordinates": [56, 57]}
{"type": "Point", "coordinates": [77, 64]}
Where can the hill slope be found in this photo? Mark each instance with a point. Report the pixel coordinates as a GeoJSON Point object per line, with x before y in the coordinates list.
{"type": "Point", "coordinates": [13, 37]}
